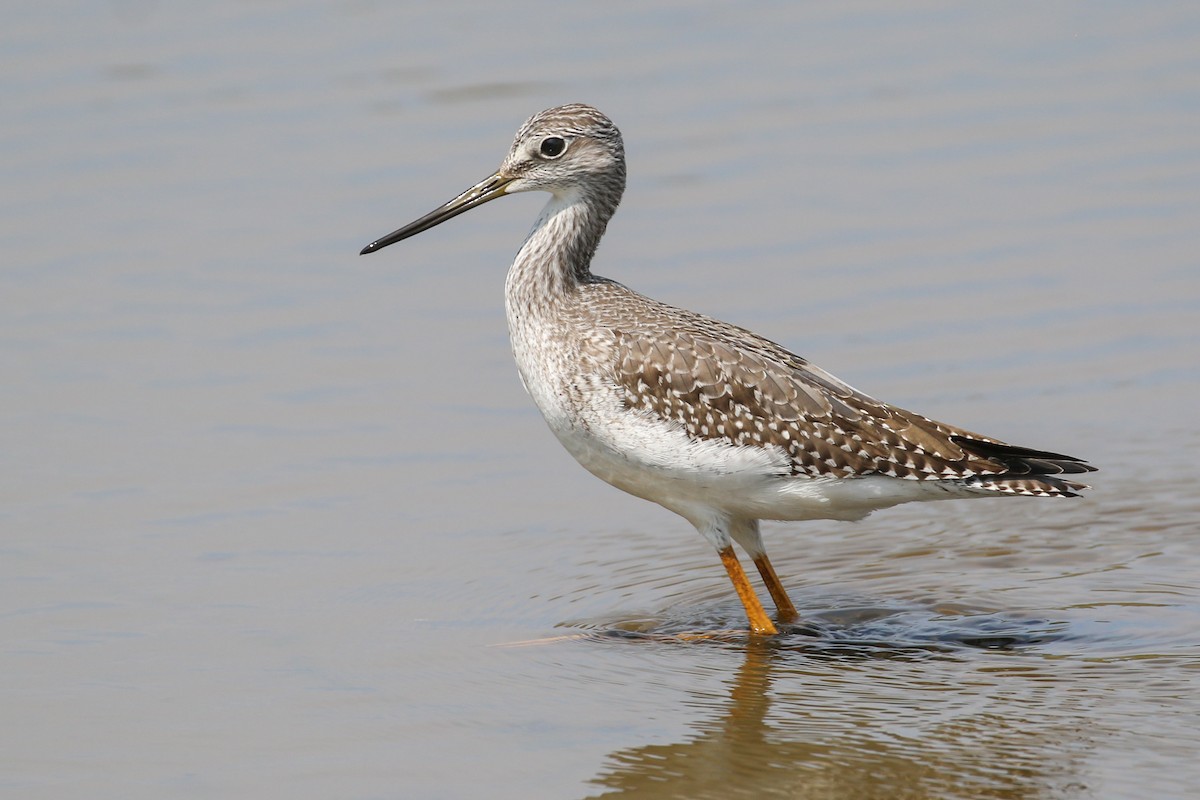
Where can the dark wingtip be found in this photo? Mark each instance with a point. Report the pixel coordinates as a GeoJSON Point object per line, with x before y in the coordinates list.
{"type": "Point", "coordinates": [1024, 460]}
{"type": "Point", "coordinates": [371, 248]}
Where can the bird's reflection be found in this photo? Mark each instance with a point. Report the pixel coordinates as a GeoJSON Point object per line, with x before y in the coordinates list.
{"type": "Point", "coordinates": [791, 727]}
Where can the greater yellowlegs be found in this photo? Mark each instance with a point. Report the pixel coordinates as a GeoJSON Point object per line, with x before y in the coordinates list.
{"type": "Point", "coordinates": [710, 420]}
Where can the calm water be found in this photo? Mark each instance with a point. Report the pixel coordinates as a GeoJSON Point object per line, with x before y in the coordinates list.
{"type": "Point", "coordinates": [280, 521]}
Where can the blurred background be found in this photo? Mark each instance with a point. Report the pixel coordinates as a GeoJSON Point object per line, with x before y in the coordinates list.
{"type": "Point", "coordinates": [273, 517]}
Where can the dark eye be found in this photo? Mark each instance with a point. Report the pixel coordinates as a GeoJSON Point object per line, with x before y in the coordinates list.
{"type": "Point", "coordinates": [552, 146]}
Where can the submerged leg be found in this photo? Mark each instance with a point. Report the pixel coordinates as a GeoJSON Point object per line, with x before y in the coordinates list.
{"type": "Point", "coordinates": [759, 621]}
{"type": "Point", "coordinates": [746, 533]}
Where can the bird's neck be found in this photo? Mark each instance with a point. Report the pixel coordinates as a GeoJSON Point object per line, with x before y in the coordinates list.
{"type": "Point", "coordinates": [556, 258]}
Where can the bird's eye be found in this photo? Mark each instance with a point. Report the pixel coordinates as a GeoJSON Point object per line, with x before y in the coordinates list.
{"type": "Point", "coordinates": [552, 146]}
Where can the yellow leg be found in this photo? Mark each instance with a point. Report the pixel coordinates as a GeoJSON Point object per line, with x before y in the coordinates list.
{"type": "Point", "coordinates": [783, 603]}
{"type": "Point", "coordinates": [759, 621]}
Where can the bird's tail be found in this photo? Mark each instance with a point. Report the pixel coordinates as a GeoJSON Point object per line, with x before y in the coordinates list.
{"type": "Point", "coordinates": [1023, 470]}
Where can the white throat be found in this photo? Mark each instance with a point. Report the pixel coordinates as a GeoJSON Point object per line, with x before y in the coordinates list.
{"type": "Point", "coordinates": [554, 256]}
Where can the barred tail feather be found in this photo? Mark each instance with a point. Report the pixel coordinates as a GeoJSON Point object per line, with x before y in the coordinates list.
{"type": "Point", "coordinates": [1023, 470]}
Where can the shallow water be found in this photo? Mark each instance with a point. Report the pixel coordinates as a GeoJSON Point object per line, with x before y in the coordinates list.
{"type": "Point", "coordinates": [278, 520]}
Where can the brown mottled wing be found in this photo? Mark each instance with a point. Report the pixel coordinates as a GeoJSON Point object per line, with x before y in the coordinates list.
{"type": "Point", "coordinates": [720, 382]}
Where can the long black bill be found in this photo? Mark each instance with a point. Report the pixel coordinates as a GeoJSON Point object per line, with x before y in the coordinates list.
{"type": "Point", "coordinates": [486, 190]}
